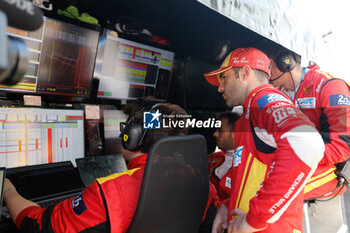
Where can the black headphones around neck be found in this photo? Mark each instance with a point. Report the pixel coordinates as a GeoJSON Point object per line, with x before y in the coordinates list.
{"type": "Point", "coordinates": [132, 134]}
{"type": "Point", "coordinates": [285, 62]}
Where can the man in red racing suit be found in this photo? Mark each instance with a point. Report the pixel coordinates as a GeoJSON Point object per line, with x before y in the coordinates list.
{"type": "Point", "coordinates": [277, 149]}
{"type": "Point", "coordinates": [107, 205]}
{"type": "Point", "coordinates": [222, 183]}
{"type": "Point", "coordinates": [326, 102]}
{"type": "Point", "coordinates": [220, 163]}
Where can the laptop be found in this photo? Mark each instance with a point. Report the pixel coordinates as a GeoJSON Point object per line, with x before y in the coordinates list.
{"type": "Point", "coordinates": [2, 180]}
{"type": "Point", "coordinates": [94, 167]}
{"type": "Point", "coordinates": [47, 184]}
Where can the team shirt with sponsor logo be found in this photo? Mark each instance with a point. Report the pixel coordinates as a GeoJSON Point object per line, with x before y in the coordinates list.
{"type": "Point", "coordinates": [279, 148]}
{"type": "Point", "coordinates": [326, 102]}
{"type": "Point", "coordinates": [223, 184]}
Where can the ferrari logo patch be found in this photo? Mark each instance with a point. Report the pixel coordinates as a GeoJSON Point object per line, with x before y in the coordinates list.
{"type": "Point", "coordinates": [307, 90]}
{"type": "Point", "coordinates": [125, 138]}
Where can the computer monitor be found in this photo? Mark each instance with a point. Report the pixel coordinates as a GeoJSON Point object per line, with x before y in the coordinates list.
{"type": "Point", "coordinates": [111, 120]}
{"type": "Point", "coordinates": [128, 70]}
{"type": "Point", "coordinates": [2, 181]}
{"type": "Point", "coordinates": [62, 58]}
{"type": "Point", "coordinates": [30, 136]}
{"type": "Point", "coordinates": [91, 168]}
{"type": "Point", "coordinates": [46, 184]}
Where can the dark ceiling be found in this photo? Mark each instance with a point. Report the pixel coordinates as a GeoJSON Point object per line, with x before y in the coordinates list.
{"type": "Point", "coordinates": [188, 26]}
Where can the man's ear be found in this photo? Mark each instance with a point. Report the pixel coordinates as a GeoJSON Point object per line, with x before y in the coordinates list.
{"type": "Point", "coordinates": [245, 72]}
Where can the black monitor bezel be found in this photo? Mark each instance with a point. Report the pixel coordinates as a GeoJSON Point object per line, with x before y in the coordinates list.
{"type": "Point", "coordinates": [2, 187]}
{"type": "Point", "coordinates": [52, 97]}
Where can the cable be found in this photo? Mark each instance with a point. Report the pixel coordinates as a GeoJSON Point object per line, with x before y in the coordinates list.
{"type": "Point", "coordinates": [291, 76]}
{"type": "Point", "coordinates": [340, 182]}
{"type": "Point", "coordinates": [295, 92]}
{"type": "Point", "coordinates": [324, 200]}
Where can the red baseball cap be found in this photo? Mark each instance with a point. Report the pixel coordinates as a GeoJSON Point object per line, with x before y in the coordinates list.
{"type": "Point", "coordinates": [238, 58]}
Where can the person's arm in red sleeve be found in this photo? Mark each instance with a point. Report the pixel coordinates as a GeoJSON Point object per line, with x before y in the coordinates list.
{"type": "Point", "coordinates": [85, 211]}
{"type": "Point", "coordinates": [335, 121]}
{"type": "Point", "coordinates": [299, 148]}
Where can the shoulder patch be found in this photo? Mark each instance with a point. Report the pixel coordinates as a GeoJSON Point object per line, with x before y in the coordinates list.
{"type": "Point", "coordinates": [339, 99]}
{"type": "Point", "coordinates": [78, 205]}
{"type": "Point", "coordinates": [269, 98]}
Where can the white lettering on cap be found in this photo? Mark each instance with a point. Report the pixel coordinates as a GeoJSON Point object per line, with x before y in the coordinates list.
{"type": "Point", "coordinates": [235, 60]}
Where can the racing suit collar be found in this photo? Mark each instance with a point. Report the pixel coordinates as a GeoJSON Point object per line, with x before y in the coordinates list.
{"type": "Point", "coordinates": [254, 92]}
{"type": "Point", "coordinates": [139, 161]}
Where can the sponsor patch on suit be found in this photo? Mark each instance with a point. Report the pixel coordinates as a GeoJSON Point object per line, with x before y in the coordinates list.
{"type": "Point", "coordinates": [339, 99]}
{"type": "Point", "coordinates": [269, 98]}
{"type": "Point", "coordinates": [78, 205]}
{"type": "Point", "coordinates": [307, 103]}
{"type": "Point", "coordinates": [228, 182]}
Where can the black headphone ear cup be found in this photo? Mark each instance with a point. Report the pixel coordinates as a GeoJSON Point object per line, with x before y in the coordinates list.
{"type": "Point", "coordinates": [131, 136]}
{"type": "Point", "coordinates": [285, 62]}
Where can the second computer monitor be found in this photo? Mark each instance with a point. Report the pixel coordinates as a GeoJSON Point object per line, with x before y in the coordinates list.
{"type": "Point", "coordinates": [61, 59]}
{"type": "Point", "coordinates": [128, 70]}
{"type": "Point", "coordinates": [112, 141]}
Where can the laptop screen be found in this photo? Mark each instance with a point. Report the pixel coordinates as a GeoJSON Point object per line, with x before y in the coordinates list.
{"type": "Point", "coordinates": [94, 167]}
{"type": "Point", "coordinates": [40, 182]}
{"type": "Point", "coordinates": [2, 179]}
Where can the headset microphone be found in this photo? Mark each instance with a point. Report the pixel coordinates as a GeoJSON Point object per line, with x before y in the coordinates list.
{"type": "Point", "coordinates": [279, 76]}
